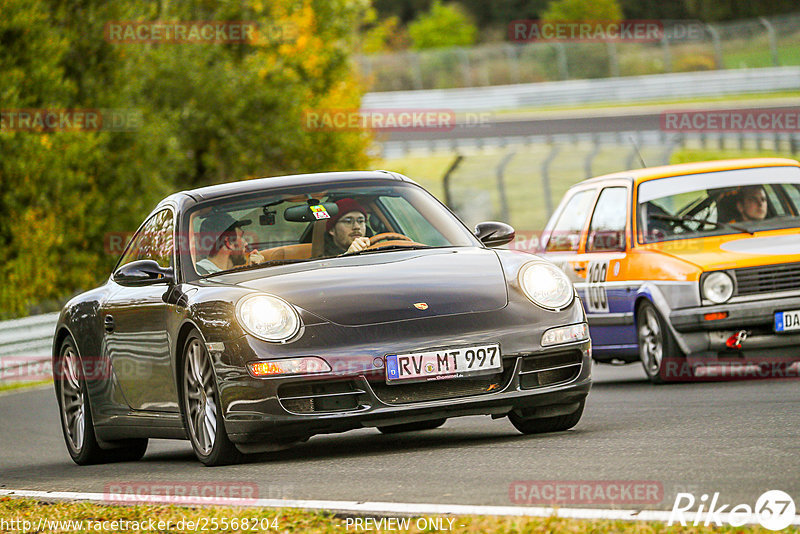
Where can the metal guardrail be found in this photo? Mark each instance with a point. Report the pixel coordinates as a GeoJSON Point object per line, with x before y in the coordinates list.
{"type": "Point", "coordinates": [25, 341]}
{"type": "Point", "coordinates": [605, 90]}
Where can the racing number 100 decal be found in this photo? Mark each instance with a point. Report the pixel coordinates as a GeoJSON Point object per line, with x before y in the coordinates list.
{"type": "Point", "coordinates": [596, 297]}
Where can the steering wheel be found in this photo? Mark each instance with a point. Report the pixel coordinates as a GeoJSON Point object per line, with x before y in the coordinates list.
{"type": "Point", "coordinates": [388, 239]}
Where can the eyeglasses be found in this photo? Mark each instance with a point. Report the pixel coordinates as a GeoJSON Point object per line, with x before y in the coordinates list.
{"type": "Point", "coordinates": [350, 221]}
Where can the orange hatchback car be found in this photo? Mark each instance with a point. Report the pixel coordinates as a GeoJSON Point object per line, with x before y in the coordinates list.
{"type": "Point", "coordinates": [686, 265]}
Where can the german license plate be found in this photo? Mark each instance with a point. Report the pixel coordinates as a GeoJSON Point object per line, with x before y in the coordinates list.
{"type": "Point", "coordinates": [443, 364]}
{"type": "Point", "coordinates": [787, 320]}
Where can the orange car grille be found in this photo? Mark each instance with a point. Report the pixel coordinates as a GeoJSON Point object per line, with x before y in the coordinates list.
{"type": "Point", "coordinates": [768, 278]}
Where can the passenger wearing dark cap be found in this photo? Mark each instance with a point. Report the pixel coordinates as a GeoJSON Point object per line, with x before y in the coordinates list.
{"type": "Point", "coordinates": [222, 239]}
{"type": "Point", "coordinates": [346, 231]}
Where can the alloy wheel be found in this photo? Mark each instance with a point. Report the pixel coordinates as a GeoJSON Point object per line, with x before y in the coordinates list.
{"type": "Point", "coordinates": [73, 402]}
{"type": "Point", "coordinates": [200, 398]}
{"type": "Point", "coordinates": [651, 341]}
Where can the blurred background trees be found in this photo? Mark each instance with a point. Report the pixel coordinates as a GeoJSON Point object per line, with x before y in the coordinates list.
{"type": "Point", "coordinates": [209, 113]}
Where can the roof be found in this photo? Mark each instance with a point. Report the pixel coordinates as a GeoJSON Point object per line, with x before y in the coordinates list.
{"type": "Point", "coordinates": [249, 186]}
{"type": "Point", "coordinates": [654, 173]}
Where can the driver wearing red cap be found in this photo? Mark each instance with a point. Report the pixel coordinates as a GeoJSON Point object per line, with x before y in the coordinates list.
{"type": "Point", "coordinates": [346, 231]}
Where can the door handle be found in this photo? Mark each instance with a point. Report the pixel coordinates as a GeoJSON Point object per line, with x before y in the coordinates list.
{"type": "Point", "coordinates": [108, 322]}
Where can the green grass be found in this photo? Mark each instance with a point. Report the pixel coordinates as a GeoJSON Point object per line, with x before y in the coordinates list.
{"type": "Point", "coordinates": [761, 56]}
{"type": "Point", "coordinates": [14, 386]}
{"type": "Point", "coordinates": [288, 520]}
{"type": "Point", "coordinates": [692, 155]}
{"type": "Point", "coordinates": [474, 183]}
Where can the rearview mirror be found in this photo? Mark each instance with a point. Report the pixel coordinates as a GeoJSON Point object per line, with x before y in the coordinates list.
{"type": "Point", "coordinates": [143, 273]}
{"type": "Point", "coordinates": [311, 213]}
{"type": "Point", "coordinates": [494, 234]}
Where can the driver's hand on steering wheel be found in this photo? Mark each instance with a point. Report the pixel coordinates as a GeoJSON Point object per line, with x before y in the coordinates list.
{"type": "Point", "coordinates": [255, 257]}
{"type": "Point", "coordinates": [358, 244]}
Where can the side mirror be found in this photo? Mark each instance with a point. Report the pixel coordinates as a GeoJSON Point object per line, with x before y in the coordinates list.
{"type": "Point", "coordinates": [494, 234]}
{"type": "Point", "coordinates": [144, 273]}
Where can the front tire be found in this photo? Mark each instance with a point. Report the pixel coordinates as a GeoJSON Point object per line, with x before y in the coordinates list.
{"type": "Point", "coordinates": [76, 415]}
{"type": "Point", "coordinates": [541, 425]}
{"type": "Point", "coordinates": [202, 411]}
{"type": "Point", "coordinates": [661, 358]}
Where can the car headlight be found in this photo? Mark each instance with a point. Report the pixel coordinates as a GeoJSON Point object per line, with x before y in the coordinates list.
{"type": "Point", "coordinates": [546, 285]}
{"type": "Point", "coordinates": [268, 317]}
{"type": "Point", "coordinates": [717, 287]}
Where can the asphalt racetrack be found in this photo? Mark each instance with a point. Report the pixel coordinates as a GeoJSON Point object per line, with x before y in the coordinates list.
{"type": "Point", "coordinates": [739, 438]}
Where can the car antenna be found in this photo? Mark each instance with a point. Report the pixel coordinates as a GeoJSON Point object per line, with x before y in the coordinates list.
{"type": "Point", "coordinates": [638, 152]}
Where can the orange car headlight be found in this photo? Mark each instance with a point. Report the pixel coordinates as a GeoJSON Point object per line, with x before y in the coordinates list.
{"type": "Point", "coordinates": [717, 287]}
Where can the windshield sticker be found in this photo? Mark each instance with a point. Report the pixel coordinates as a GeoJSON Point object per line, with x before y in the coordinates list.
{"type": "Point", "coordinates": [320, 212]}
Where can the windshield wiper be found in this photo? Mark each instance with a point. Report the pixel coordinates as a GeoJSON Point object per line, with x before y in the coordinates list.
{"type": "Point", "coordinates": [701, 221]}
{"type": "Point", "coordinates": [241, 268]}
{"type": "Point", "coordinates": [388, 247]}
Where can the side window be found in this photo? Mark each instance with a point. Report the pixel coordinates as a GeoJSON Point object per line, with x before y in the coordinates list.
{"type": "Point", "coordinates": [607, 229]}
{"type": "Point", "coordinates": [793, 190]}
{"type": "Point", "coordinates": [155, 241]}
{"type": "Point", "coordinates": [566, 234]}
{"type": "Point", "coordinates": [775, 206]}
{"type": "Point", "coordinates": [412, 223]}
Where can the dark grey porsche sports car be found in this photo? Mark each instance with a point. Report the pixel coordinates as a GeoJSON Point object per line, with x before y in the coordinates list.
{"type": "Point", "coordinates": [250, 316]}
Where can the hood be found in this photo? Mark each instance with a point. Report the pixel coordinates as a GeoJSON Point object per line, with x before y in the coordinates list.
{"type": "Point", "coordinates": [385, 287]}
{"type": "Point", "coordinates": [734, 251]}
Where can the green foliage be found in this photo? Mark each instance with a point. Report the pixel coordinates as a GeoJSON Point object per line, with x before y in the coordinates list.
{"type": "Point", "coordinates": [209, 113]}
{"type": "Point", "coordinates": [574, 10]}
{"type": "Point", "coordinates": [442, 26]}
{"type": "Point", "coordinates": [383, 35]}
{"type": "Point", "coordinates": [717, 10]}
{"type": "Point", "coordinates": [498, 13]}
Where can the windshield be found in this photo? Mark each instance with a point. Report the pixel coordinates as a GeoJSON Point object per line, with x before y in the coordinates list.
{"type": "Point", "coordinates": [726, 202]}
{"type": "Point", "coordinates": [305, 224]}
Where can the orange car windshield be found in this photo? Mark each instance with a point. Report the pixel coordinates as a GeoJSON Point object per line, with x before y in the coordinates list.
{"type": "Point", "coordinates": [725, 202]}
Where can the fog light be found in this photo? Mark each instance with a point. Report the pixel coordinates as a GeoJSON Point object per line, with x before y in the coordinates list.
{"type": "Point", "coordinates": [566, 334]}
{"type": "Point", "coordinates": [292, 366]}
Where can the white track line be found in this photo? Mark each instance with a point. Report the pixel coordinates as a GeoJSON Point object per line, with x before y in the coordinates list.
{"type": "Point", "coordinates": [366, 508]}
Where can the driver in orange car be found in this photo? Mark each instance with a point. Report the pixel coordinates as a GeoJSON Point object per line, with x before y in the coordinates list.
{"type": "Point", "coordinates": [346, 231]}
{"type": "Point", "coordinates": [752, 204]}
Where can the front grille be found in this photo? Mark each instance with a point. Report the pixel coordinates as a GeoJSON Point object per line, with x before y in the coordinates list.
{"type": "Point", "coordinates": [322, 397]}
{"type": "Point", "coordinates": [549, 369]}
{"type": "Point", "coordinates": [768, 278]}
{"type": "Point", "coordinates": [441, 389]}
